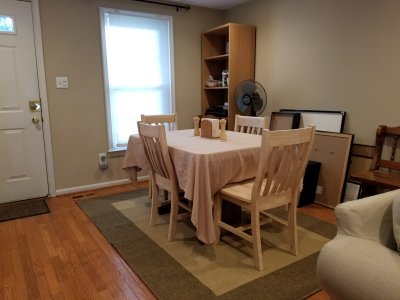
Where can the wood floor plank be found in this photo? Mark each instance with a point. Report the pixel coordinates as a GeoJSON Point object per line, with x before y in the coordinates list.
{"type": "Point", "coordinates": [15, 261]}
{"type": "Point", "coordinates": [76, 256]}
{"type": "Point", "coordinates": [8, 281]}
{"type": "Point", "coordinates": [320, 212]}
{"type": "Point", "coordinates": [69, 255]}
{"type": "Point", "coordinates": [3, 234]}
{"type": "Point", "coordinates": [62, 255]}
{"type": "Point", "coordinates": [38, 247]}
{"type": "Point", "coordinates": [118, 274]}
{"type": "Point", "coordinates": [43, 288]}
{"type": "Point", "coordinates": [58, 258]}
{"type": "Point", "coordinates": [121, 273]}
{"type": "Point", "coordinates": [22, 264]}
{"type": "Point", "coordinates": [79, 275]}
{"type": "Point", "coordinates": [89, 248]}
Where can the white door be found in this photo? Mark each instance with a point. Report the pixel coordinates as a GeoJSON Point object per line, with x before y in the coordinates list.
{"type": "Point", "coordinates": [22, 155]}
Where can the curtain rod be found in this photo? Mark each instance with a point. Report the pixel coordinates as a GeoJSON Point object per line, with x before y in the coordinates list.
{"type": "Point", "coordinates": [177, 6]}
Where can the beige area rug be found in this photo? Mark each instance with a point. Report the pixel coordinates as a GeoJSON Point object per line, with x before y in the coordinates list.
{"type": "Point", "coordinates": [186, 268]}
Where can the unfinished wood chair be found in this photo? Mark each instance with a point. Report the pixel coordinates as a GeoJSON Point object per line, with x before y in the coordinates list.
{"type": "Point", "coordinates": [170, 120]}
{"type": "Point", "coordinates": [384, 171]}
{"type": "Point", "coordinates": [162, 173]}
{"type": "Point", "coordinates": [283, 159]}
{"type": "Point", "coordinates": [252, 125]}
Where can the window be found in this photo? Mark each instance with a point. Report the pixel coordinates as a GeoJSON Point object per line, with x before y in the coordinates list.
{"type": "Point", "coordinates": [7, 24]}
{"type": "Point", "coordinates": [137, 58]}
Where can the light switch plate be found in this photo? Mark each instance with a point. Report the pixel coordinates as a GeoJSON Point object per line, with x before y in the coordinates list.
{"type": "Point", "coordinates": [62, 82]}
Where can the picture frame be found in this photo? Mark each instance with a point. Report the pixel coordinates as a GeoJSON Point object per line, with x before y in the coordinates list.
{"type": "Point", "coordinates": [324, 120]}
{"type": "Point", "coordinates": [284, 120]}
{"type": "Point", "coordinates": [333, 151]}
{"type": "Point", "coordinates": [352, 191]}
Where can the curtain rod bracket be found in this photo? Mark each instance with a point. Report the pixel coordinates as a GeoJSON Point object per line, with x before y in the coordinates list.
{"type": "Point", "coordinates": [177, 6]}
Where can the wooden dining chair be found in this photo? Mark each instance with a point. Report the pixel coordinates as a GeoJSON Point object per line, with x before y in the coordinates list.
{"type": "Point", "coordinates": [283, 159]}
{"type": "Point", "coordinates": [252, 125]}
{"type": "Point", "coordinates": [170, 120]}
{"type": "Point", "coordinates": [384, 171]}
{"type": "Point", "coordinates": [162, 173]}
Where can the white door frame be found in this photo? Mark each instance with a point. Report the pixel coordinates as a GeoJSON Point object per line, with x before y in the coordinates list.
{"type": "Point", "coordinates": [43, 97]}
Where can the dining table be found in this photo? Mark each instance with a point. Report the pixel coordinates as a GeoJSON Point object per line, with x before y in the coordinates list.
{"type": "Point", "coordinates": [203, 166]}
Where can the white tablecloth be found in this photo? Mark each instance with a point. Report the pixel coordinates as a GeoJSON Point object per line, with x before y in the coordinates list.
{"type": "Point", "coordinates": [203, 166]}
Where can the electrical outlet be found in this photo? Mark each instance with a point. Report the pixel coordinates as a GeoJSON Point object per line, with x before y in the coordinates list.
{"type": "Point", "coordinates": [102, 158]}
{"type": "Point", "coordinates": [103, 161]}
{"type": "Point", "coordinates": [319, 190]}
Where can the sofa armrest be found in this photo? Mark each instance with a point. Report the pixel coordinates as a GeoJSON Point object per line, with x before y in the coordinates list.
{"type": "Point", "coordinates": [368, 218]}
{"type": "Point", "coordinates": [354, 268]}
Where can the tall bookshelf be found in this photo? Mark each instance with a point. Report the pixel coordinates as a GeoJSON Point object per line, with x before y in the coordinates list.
{"type": "Point", "coordinates": [228, 47]}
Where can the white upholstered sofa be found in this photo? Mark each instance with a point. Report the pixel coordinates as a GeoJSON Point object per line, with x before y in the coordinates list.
{"type": "Point", "coordinates": [362, 261]}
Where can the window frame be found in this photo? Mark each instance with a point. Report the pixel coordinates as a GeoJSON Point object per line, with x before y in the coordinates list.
{"type": "Point", "coordinates": [102, 11]}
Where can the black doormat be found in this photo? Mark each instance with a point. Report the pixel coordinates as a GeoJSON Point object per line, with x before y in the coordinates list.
{"type": "Point", "coordinates": [22, 209]}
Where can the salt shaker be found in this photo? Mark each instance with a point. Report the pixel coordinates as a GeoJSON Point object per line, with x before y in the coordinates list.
{"type": "Point", "coordinates": [196, 121]}
{"type": "Point", "coordinates": [222, 134]}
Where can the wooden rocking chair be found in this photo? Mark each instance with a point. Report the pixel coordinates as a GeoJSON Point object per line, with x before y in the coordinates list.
{"type": "Point", "coordinates": [384, 171]}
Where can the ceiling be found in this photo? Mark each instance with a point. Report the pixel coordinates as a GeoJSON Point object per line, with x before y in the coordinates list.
{"type": "Point", "coordinates": [215, 4]}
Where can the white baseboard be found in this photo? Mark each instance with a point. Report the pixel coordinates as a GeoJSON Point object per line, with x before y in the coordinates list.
{"type": "Point", "coordinates": [96, 186]}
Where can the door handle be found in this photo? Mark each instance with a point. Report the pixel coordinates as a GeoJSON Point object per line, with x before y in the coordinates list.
{"type": "Point", "coordinates": [34, 105]}
{"type": "Point", "coordinates": [35, 120]}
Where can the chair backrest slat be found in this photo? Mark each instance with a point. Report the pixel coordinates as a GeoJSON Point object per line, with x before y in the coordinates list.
{"type": "Point", "coordinates": [250, 125]}
{"type": "Point", "coordinates": [156, 149]}
{"type": "Point", "coordinates": [170, 120]}
{"type": "Point", "coordinates": [283, 158]}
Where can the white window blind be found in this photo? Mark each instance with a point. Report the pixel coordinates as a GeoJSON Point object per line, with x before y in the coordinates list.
{"type": "Point", "coordinates": [137, 57]}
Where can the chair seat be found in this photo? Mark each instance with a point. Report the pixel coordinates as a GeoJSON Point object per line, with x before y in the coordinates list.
{"type": "Point", "coordinates": [378, 178]}
{"type": "Point", "coordinates": [240, 191]}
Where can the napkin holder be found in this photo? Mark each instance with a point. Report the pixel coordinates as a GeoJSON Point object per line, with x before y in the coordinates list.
{"type": "Point", "coordinates": [209, 128]}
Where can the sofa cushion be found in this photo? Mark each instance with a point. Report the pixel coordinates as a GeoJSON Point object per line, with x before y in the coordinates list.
{"type": "Point", "coordinates": [396, 220]}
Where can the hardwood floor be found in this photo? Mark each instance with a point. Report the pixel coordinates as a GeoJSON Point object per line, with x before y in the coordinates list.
{"type": "Point", "coordinates": [62, 255]}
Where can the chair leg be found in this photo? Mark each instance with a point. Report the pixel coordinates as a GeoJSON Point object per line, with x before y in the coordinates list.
{"type": "Point", "coordinates": [154, 204]}
{"type": "Point", "coordinates": [256, 237]}
{"type": "Point", "coordinates": [292, 224]}
{"type": "Point", "coordinates": [150, 187]}
{"type": "Point", "coordinates": [217, 217]}
{"type": "Point", "coordinates": [173, 218]}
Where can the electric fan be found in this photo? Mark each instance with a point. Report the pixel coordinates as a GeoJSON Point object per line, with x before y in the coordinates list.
{"type": "Point", "coordinates": [251, 98]}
